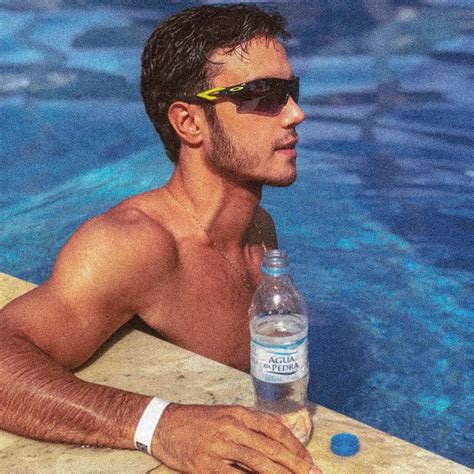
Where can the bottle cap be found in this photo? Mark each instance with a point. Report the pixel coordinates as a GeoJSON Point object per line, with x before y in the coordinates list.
{"type": "Point", "coordinates": [345, 444]}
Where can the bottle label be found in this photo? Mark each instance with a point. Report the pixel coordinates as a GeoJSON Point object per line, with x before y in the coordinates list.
{"type": "Point", "coordinates": [280, 364]}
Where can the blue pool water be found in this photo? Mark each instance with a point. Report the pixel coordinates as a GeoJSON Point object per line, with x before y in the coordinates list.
{"type": "Point", "coordinates": [379, 226]}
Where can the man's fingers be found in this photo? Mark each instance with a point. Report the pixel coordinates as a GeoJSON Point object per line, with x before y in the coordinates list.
{"type": "Point", "coordinates": [211, 465]}
{"type": "Point", "coordinates": [219, 439]}
{"type": "Point", "coordinates": [250, 458]}
{"type": "Point", "coordinates": [272, 428]}
{"type": "Point", "coordinates": [270, 449]}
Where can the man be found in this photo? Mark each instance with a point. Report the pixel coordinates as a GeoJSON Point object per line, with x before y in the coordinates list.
{"type": "Point", "coordinates": [218, 88]}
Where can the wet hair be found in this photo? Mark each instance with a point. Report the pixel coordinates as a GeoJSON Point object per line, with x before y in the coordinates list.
{"type": "Point", "coordinates": [176, 59]}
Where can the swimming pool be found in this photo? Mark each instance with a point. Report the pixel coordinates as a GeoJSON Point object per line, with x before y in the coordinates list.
{"type": "Point", "coordinates": [381, 228]}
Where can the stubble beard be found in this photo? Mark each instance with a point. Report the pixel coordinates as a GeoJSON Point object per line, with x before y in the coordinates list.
{"type": "Point", "coordinates": [230, 159]}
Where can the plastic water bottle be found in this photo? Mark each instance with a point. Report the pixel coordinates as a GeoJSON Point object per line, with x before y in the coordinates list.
{"type": "Point", "coordinates": [279, 345]}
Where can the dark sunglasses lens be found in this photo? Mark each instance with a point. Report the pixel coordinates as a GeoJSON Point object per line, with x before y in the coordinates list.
{"type": "Point", "coordinates": [271, 102]}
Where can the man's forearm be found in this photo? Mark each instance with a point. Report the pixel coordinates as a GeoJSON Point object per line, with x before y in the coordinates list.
{"type": "Point", "coordinates": [42, 400]}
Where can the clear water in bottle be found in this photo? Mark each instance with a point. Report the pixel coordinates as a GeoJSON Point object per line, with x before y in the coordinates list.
{"type": "Point", "coordinates": [279, 353]}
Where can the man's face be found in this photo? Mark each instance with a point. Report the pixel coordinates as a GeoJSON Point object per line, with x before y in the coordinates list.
{"type": "Point", "coordinates": [254, 147]}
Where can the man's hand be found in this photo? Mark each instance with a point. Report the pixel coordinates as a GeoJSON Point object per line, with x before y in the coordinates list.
{"type": "Point", "coordinates": [217, 439]}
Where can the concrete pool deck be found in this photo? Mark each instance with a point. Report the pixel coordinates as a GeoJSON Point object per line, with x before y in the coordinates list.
{"type": "Point", "coordinates": [133, 360]}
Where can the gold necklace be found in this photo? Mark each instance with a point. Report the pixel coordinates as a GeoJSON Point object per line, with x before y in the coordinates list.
{"type": "Point", "coordinates": [212, 241]}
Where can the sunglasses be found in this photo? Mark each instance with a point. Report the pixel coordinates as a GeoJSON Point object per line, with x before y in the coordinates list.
{"type": "Point", "coordinates": [268, 95]}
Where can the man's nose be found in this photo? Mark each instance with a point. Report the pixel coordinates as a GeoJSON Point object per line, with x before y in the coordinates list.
{"type": "Point", "coordinates": [293, 113]}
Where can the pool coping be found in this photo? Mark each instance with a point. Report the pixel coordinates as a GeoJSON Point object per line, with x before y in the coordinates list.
{"type": "Point", "coordinates": [182, 376]}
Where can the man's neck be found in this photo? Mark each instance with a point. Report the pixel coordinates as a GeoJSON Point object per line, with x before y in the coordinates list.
{"type": "Point", "coordinates": [224, 209]}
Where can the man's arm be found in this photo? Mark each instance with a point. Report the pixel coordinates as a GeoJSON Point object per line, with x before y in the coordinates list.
{"type": "Point", "coordinates": [92, 292]}
{"type": "Point", "coordinates": [98, 284]}
{"type": "Point", "coordinates": [42, 400]}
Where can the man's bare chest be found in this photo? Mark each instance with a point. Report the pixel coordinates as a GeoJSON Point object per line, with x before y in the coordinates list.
{"type": "Point", "coordinates": [204, 306]}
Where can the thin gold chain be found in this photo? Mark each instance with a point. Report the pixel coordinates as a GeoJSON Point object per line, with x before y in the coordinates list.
{"type": "Point", "coordinates": [211, 240]}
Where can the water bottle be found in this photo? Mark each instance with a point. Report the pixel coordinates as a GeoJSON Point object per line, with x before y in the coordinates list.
{"type": "Point", "coordinates": [279, 346]}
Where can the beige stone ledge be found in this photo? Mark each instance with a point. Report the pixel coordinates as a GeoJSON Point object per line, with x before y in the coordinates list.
{"type": "Point", "coordinates": [133, 360]}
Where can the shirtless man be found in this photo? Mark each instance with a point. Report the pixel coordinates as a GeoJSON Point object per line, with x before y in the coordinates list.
{"type": "Point", "coordinates": [200, 237]}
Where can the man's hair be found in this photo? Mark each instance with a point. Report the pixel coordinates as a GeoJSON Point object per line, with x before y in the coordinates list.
{"type": "Point", "coordinates": [176, 59]}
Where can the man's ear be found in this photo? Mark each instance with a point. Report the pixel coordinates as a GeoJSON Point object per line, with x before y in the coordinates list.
{"type": "Point", "coordinates": [187, 120]}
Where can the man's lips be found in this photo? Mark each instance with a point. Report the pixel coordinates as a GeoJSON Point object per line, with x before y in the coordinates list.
{"type": "Point", "coordinates": [286, 146]}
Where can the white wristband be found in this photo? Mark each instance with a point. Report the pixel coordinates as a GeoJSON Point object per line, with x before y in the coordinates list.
{"type": "Point", "coordinates": [147, 425]}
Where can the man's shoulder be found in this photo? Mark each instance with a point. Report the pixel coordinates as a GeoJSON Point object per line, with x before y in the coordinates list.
{"type": "Point", "coordinates": [128, 223]}
{"type": "Point", "coordinates": [122, 238]}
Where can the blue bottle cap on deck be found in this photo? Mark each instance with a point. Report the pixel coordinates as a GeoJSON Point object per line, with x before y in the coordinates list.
{"type": "Point", "coordinates": [345, 444]}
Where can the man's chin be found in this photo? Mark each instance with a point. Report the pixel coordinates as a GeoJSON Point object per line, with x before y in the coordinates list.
{"type": "Point", "coordinates": [282, 181]}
